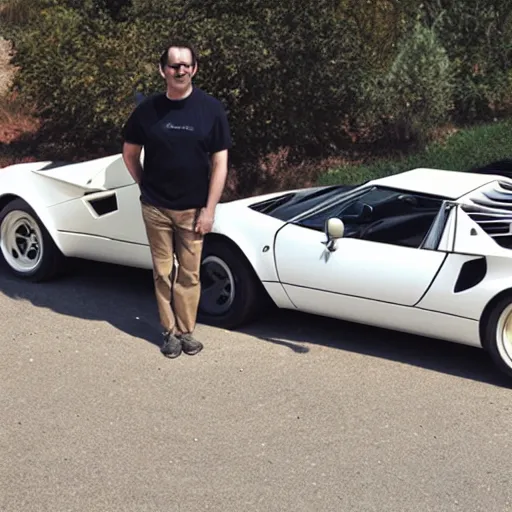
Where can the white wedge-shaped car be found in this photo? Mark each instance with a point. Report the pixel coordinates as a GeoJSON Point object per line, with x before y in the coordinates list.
{"type": "Point", "coordinates": [426, 251]}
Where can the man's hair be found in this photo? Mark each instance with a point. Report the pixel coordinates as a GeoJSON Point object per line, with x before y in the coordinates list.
{"type": "Point", "coordinates": [177, 44]}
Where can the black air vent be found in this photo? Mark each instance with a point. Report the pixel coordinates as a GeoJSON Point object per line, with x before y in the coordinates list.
{"type": "Point", "coordinates": [471, 273]}
{"type": "Point", "coordinates": [104, 205]}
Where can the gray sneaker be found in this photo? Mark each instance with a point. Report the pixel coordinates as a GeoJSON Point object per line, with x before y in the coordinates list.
{"type": "Point", "coordinates": [190, 345]}
{"type": "Point", "coordinates": [171, 346]}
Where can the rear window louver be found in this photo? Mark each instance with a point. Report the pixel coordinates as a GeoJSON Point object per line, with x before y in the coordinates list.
{"type": "Point", "coordinates": [491, 209]}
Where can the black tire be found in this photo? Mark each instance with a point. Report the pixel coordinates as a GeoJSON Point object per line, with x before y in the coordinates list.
{"type": "Point", "coordinates": [246, 298]}
{"type": "Point", "coordinates": [51, 260]}
{"type": "Point", "coordinates": [494, 340]}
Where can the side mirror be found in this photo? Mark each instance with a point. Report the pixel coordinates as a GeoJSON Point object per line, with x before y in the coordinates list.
{"type": "Point", "coordinates": [334, 230]}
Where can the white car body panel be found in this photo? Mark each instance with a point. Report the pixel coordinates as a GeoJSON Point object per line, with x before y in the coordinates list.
{"type": "Point", "coordinates": [278, 295]}
{"type": "Point", "coordinates": [102, 249]}
{"type": "Point", "coordinates": [35, 188]}
{"type": "Point", "coordinates": [472, 239]}
{"type": "Point", "coordinates": [391, 316]}
{"type": "Point", "coordinates": [469, 303]}
{"type": "Point", "coordinates": [101, 174]}
{"type": "Point", "coordinates": [381, 272]}
{"type": "Point", "coordinates": [125, 224]}
{"type": "Point", "coordinates": [448, 184]}
{"type": "Point", "coordinates": [404, 289]}
{"type": "Point", "coordinates": [254, 235]}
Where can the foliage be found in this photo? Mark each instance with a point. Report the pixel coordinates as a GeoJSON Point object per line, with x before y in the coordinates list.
{"type": "Point", "coordinates": [300, 80]}
{"type": "Point", "coordinates": [286, 72]}
{"type": "Point", "coordinates": [282, 86]}
{"type": "Point", "coordinates": [478, 38]}
{"type": "Point", "coordinates": [415, 94]}
{"type": "Point", "coordinates": [70, 67]}
{"type": "Point", "coordinates": [464, 150]}
{"type": "Point", "coordinates": [15, 14]}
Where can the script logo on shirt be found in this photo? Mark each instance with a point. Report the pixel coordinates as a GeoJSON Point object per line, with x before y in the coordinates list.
{"type": "Point", "coordinates": [171, 126]}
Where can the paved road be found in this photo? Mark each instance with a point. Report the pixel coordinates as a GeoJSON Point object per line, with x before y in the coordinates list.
{"type": "Point", "coordinates": [295, 413]}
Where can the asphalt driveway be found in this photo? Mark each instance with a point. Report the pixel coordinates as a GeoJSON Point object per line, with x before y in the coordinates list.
{"type": "Point", "coordinates": [294, 413]}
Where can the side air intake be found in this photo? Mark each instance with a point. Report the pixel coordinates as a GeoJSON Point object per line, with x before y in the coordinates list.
{"type": "Point", "coordinates": [471, 273]}
{"type": "Point", "coordinates": [104, 205]}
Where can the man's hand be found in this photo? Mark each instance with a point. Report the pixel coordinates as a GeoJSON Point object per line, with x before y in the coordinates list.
{"type": "Point", "coordinates": [204, 222]}
{"type": "Point", "coordinates": [218, 178]}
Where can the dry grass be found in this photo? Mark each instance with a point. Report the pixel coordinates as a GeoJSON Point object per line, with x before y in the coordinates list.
{"type": "Point", "coordinates": [7, 70]}
{"type": "Point", "coordinates": [16, 119]}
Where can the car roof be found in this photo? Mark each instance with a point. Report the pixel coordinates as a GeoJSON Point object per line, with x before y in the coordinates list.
{"type": "Point", "coordinates": [438, 182]}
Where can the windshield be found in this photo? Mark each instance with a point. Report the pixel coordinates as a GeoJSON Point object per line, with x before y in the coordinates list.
{"type": "Point", "coordinates": [289, 205]}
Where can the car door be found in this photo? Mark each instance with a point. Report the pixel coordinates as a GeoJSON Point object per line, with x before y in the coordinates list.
{"type": "Point", "coordinates": [378, 259]}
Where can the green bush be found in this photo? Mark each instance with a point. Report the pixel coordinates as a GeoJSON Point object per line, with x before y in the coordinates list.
{"type": "Point", "coordinates": [77, 69]}
{"type": "Point", "coordinates": [478, 38]}
{"type": "Point", "coordinates": [287, 73]}
{"type": "Point", "coordinates": [415, 95]}
{"type": "Point", "coordinates": [299, 79]}
{"type": "Point", "coordinates": [16, 13]}
{"type": "Point", "coordinates": [464, 150]}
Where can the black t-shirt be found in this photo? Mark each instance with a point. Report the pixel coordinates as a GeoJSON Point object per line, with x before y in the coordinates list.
{"type": "Point", "coordinates": [178, 138]}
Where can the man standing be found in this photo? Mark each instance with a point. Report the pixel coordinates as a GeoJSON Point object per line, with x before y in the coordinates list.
{"type": "Point", "coordinates": [186, 137]}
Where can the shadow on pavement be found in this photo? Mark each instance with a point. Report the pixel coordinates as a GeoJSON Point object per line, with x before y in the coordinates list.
{"type": "Point", "coordinates": [124, 298]}
{"type": "Point", "coordinates": [121, 296]}
{"type": "Point", "coordinates": [432, 354]}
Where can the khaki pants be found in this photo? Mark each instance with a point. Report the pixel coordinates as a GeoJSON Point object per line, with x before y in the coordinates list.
{"type": "Point", "coordinates": [171, 233]}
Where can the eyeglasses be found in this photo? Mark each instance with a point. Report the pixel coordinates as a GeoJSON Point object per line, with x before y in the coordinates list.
{"type": "Point", "coordinates": [177, 67]}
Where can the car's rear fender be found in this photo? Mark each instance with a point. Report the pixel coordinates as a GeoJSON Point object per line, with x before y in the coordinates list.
{"type": "Point", "coordinates": [466, 284]}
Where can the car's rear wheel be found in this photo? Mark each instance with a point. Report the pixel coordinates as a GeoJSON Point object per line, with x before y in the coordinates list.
{"type": "Point", "coordinates": [231, 294]}
{"type": "Point", "coordinates": [25, 244]}
{"type": "Point", "coordinates": [498, 335]}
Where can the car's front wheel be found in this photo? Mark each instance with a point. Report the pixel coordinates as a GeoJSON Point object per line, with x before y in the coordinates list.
{"type": "Point", "coordinates": [25, 244]}
{"type": "Point", "coordinates": [231, 294]}
{"type": "Point", "coordinates": [498, 335]}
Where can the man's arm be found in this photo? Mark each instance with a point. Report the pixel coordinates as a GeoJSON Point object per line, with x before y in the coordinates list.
{"type": "Point", "coordinates": [218, 179]}
{"type": "Point", "coordinates": [131, 157]}
{"type": "Point", "coordinates": [217, 182]}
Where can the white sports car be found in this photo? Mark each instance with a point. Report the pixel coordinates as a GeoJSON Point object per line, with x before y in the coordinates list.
{"type": "Point", "coordinates": [425, 251]}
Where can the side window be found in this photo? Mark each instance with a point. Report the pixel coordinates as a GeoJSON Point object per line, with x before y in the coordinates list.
{"type": "Point", "coordinates": [382, 215]}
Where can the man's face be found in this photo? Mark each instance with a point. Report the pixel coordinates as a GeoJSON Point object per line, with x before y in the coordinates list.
{"type": "Point", "coordinates": [179, 69]}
